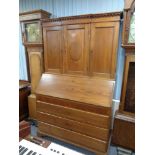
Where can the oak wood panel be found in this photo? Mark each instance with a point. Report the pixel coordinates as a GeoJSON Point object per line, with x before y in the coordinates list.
{"type": "Point", "coordinates": [74, 137]}
{"type": "Point", "coordinates": [106, 19]}
{"type": "Point", "coordinates": [69, 124]}
{"type": "Point", "coordinates": [76, 48]}
{"type": "Point", "coordinates": [36, 65]}
{"type": "Point", "coordinates": [74, 114]}
{"type": "Point", "coordinates": [103, 53]}
{"type": "Point", "coordinates": [53, 46]}
{"type": "Point", "coordinates": [96, 91]}
{"type": "Point", "coordinates": [74, 104]}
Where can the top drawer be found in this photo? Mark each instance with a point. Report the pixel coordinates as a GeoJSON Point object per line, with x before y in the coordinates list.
{"type": "Point", "coordinates": [74, 104]}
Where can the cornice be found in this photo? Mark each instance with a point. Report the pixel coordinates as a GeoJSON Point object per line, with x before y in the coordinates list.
{"type": "Point", "coordinates": [110, 14]}
{"type": "Point", "coordinates": [35, 11]}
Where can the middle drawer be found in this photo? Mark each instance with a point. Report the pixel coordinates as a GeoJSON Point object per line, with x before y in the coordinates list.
{"type": "Point", "coordinates": [94, 119]}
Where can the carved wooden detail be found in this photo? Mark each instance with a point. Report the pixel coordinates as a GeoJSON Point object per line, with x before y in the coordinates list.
{"type": "Point", "coordinates": [110, 14]}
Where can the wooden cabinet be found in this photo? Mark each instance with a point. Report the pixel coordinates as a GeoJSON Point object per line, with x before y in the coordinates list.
{"type": "Point", "coordinates": [76, 109]}
{"type": "Point", "coordinates": [104, 42]}
{"type": "Point", "coordinates": [85, 45]}
{"type": "Point", "coordinates": [24, 91]}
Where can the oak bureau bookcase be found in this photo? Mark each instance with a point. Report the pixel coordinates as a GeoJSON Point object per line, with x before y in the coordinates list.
{"type": "Point", "coordinates": [74, 95]}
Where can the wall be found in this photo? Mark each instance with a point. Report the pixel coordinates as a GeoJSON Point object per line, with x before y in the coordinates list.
{"type": "Point", "coordinates": [72, 7]}
{"type": "Point", "coordinates": [76, 7]}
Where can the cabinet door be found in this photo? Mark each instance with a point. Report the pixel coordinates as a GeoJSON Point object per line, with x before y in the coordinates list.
{"type": "Point", "coordinates": [76, 49]}
{"type": "Point", "coordinates": [53, 49]}
{"type": "Point", "coordinates": [103, 53]}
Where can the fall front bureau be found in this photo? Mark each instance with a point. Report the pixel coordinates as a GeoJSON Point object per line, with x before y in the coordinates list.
{"type": "Point", "coordinates": [76, 110]}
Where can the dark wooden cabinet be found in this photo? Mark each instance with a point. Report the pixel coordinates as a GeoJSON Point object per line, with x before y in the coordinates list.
{"type": "Point", "coordinates": [83, 45]}
{"type": "Point", "coordinates": [124, 131]}
{"type": "Point", "coordinates": [24, 91]}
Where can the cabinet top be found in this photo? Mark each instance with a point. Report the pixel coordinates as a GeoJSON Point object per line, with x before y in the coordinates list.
{"type": "Point", "coordinates": [109, 14]}
{"type": "Point", "coordinates": [91, 90]}
{"type": "Point", "coordinates": [33, 15]}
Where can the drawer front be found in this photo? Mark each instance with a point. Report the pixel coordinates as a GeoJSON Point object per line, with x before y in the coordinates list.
{"type": "Point", "coordinates": [77, 105]}
{"type": "Point", "coordinates": [74, 114]}
{"type": "Point", "coordinates": [82, 128]}
{"type": "Point", "coordinates": [73, 137]}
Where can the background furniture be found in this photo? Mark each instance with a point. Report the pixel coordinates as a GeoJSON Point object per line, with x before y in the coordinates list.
{"type": "Point", "coordinates": [124, 123]}
{"type": "Point", "coordinates": [32, 40]}
{"type": "Point", "coordinates": [123, 132]}
{"type": "Point", "coordinates": [24, 91]}
{"type": "Point", "coordinates": [24, 129]}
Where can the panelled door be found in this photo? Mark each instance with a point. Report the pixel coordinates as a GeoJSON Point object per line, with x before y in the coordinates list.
{"type": "Point", "coordinates": [76, 38]}
{"type": "Point", "coordinates": [103, 49]}
{"type": "Point", "coordinates": [53, 46]}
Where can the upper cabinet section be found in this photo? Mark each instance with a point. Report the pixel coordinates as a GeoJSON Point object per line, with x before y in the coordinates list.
{"type": "Point", "coordinates": [128, 38]}
{"type": "Point", "coordinates": [85, 45]}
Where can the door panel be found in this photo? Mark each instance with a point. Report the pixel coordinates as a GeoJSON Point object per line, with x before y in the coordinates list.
{"type": "Point", "coordinates": [76, 48]}
{"type": "Point", "coordinates": [53, 49]}
{"type": "Point", "coordinates": [103, 53]}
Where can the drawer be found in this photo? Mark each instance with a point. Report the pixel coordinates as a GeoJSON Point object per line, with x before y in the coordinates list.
{"type": "Point", "coordinates": [86, 129]}
{"type": "Point", "coordinates": [74, 114]}
{"type": "Point", "coordinates": [77, 105]}
{"type": "Point", "coordinates": [73, 137]}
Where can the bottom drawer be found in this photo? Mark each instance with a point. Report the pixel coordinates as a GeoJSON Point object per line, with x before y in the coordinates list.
{"type": "Point", "coordinates": [73, 137]}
